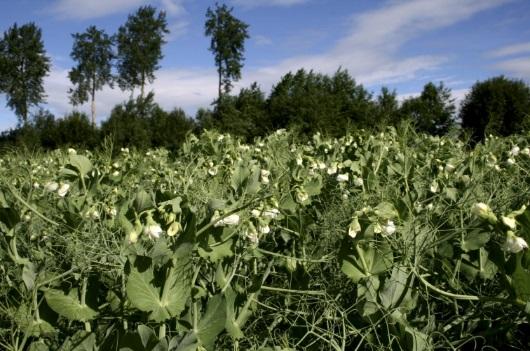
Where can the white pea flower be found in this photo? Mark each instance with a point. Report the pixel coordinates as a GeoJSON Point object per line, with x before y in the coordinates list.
{"type": "Point", "coordinates": [332, 169]}
{"type": "Point", "coordinates": [510, 161]}
{"type": "Point", "coordinates": [525, 151]}
{"type": "Point", "coordinates": [212, 171]}
{"type": "Point", "coordinates": [344, 177]}
{"type": "Point", "coordinates": [509, 222]}
{"type": "Point", "coordinates": [72, 151]}
{"type": "Point", "coordinates": [125, 150]}
{"type": "Point", "coordinates": [153, 230]}
{"type": "Point", "coordinates": [483, 211]}
{"type": "Point", "coordinates": [514, 244]}
{"type": "Point", "coordinates": [63, 189]}
{"type": "Point", "coordinates": [94, 214]}
{"type": "Point", "coordinates": [389, 228]}
{"type": "Point", "coordinates": [449, 168]}
{"type": "Point", "coordinates": [255, 213]}
{"type": "Point", "coordinates": [354, 227]}
{"type": "Point", "coordinates": [515, 151]}
{"type": "Point", "coordinates": [264, 229]}
{"type": "Point", "coordinates": [358, 181]}
{"type": "Point", "coordinates": [434, 187]}
{"type": "Point", "coordinates": [299, 161]}
{"type": "Point", "coordinates": [429, 207]}
{"type": "Point", "coordinates": [51, 186]}
{"type": "Point", "coordinates": [174, 229]}
{"type": "Point", "coordinates": [271, 213]}
{"type": "Point", "coordinates": [115, 174]}
{"type": "Point", "coordinates": [230, 220]}
{"type": "Point", "coordinates": [301, 195]}
{"type": "Point", "coordinates": [264, 176]}
{"type": "Point", "coordinates": [36, 185]}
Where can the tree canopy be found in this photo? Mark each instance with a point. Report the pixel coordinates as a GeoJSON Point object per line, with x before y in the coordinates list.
{"type": "Point", "coordinates": [227, 43]}
{"type": "Point", "coordinates": [139, 43]}
{"type": "Point", "coordinates": [92, 50]}
{"type": "Point", "coordinates": [496, 106]}
{"type": "Point", "coordinates": [25, 64]}
{"type": "Point", "coordinates": [431, 112]}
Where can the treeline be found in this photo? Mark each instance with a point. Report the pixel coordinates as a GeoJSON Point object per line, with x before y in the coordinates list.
{"type": "Point", "coordinates": [305, 101]}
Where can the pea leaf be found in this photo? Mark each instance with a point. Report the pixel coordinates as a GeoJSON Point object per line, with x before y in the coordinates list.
{"type": "Point", "coordinates": [69, 306]}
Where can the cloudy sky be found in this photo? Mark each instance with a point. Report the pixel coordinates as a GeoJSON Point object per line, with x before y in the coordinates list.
{"type": "Point", "coordinates": [399, 44]}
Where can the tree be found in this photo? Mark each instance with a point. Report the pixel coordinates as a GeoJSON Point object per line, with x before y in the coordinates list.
{"type": "Point", "coordinates": [25, 65]}
{"type": "Point", "coordinates": [228, 36]}
{"type": "Point", "coordinates": [140, 42]}
{"type": "Point", "coordinates": [496, 106]}
{"type": "Point", "coordinates": [93, 52]}
{"type": "Point", "coordinates": [431, 112]}
{"type": "Point", "coordinates": [314, 102]}
{"type": "Point", "coordinates": [386, 109]}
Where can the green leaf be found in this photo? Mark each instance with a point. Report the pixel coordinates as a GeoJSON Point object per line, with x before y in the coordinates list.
{"type": "Point", "coordinates": [29, 275]}
{"type": "Point", "coordinates": [314, 186]}
{"type": "Point", "coordinates": [145, 295]}
{"type": "Point", "coordinates": [474, 240]}
{"type": "Point", "coordinates": [521, 279]}
{"type": "Point", "coordinates": [147, 335]}
{"type": "Point", "coordinates": [395, 288]}
{"type": "Point", "coordinates": [80, 341]}
{"type": "Point", "coordinates": [212, 322]}
{"type": "Point", "coordinates": [386, 210]}
{"type": "Point", "coordinates": [142, 201]}
{"type": "Point", "coordinates": [69, 306]}
{"type": "Point", "coordinates": [233, 329]}
{"type": "Point", "coordinates": [81, 163]}
{"type": "Point", "coordinates": [360, 260]}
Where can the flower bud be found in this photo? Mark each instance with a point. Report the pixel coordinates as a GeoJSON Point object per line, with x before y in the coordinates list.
{"type": "Point", "coordinates": [514, 244]}
{"type": "Point", "coordinates": [483, 211]}
{"type": "Point", "coordinates": [174, 229]}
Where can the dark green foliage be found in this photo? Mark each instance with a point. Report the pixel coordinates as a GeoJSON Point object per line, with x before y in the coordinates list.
{"type": "Point", "coordinates": [143, 123]}
{"type": "Point", "coordinates": [92, 50]}
{"type": "Point", "coordinates": [24, 65]}
{"type": "Point", "coordinates": [316, 102]}
{"type": "Point", "coordinates": [76, 130]}
{"type": "Point", "coordinates": [128, 124]}
{"type": "Point", "coordinates": [244, 115]}
{"type": "Point", "coordinates": [227, 43]}
{"type": "Point", "coordinates": [496, 106]}
{"type": "Point", "coordinates": [169, 130]}
{"type": "Point", "coordinates": [46, 126]}
{"type": "Point", "coordinates": [140, 42]}
{"type": "Point", "coordinates": [386, 109]}
{"type": "Point", "coordinates": [431, 112]}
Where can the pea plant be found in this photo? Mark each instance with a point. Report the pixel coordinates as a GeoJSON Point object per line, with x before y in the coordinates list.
{"type": "Point", "coordinates": [387, 241]}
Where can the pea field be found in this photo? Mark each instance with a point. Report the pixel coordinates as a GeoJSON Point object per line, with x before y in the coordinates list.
{"type": "Point", "coordinates": [387, 241]}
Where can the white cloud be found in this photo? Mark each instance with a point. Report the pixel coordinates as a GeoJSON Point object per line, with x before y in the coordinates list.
{"type": "Point", "coordinates": [511, 50]}
{"type": "Point", "coordinates": [87, 9]}
{"type": "Point", "coordinates": [519, 67]}
{"type": "Point", "coordinates": [371, 49]}
{"type": "Point", "coordinates": [187, 89]}
{"type": "Point", "coordinates": [261, 40]}
{"type": "Point", "coordinates": [257, 3]}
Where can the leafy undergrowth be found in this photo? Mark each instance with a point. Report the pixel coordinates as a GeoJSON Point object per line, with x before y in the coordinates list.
{"type": "Point", "coordinates": [394, 241]}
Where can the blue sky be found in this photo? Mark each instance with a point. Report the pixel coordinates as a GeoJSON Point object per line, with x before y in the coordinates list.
{"type": "Point", "coordinates": [399, 44]}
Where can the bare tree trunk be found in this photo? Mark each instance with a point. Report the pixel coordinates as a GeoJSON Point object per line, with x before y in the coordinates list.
{"type": "Point", "coordinates": [143, 84]}
{"type": "Point", "coordinates": [220, 93]}
{"type": "Point", "coordinates": [93, 110]}
{"type": "Point", "coordinates": [93, 104]}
